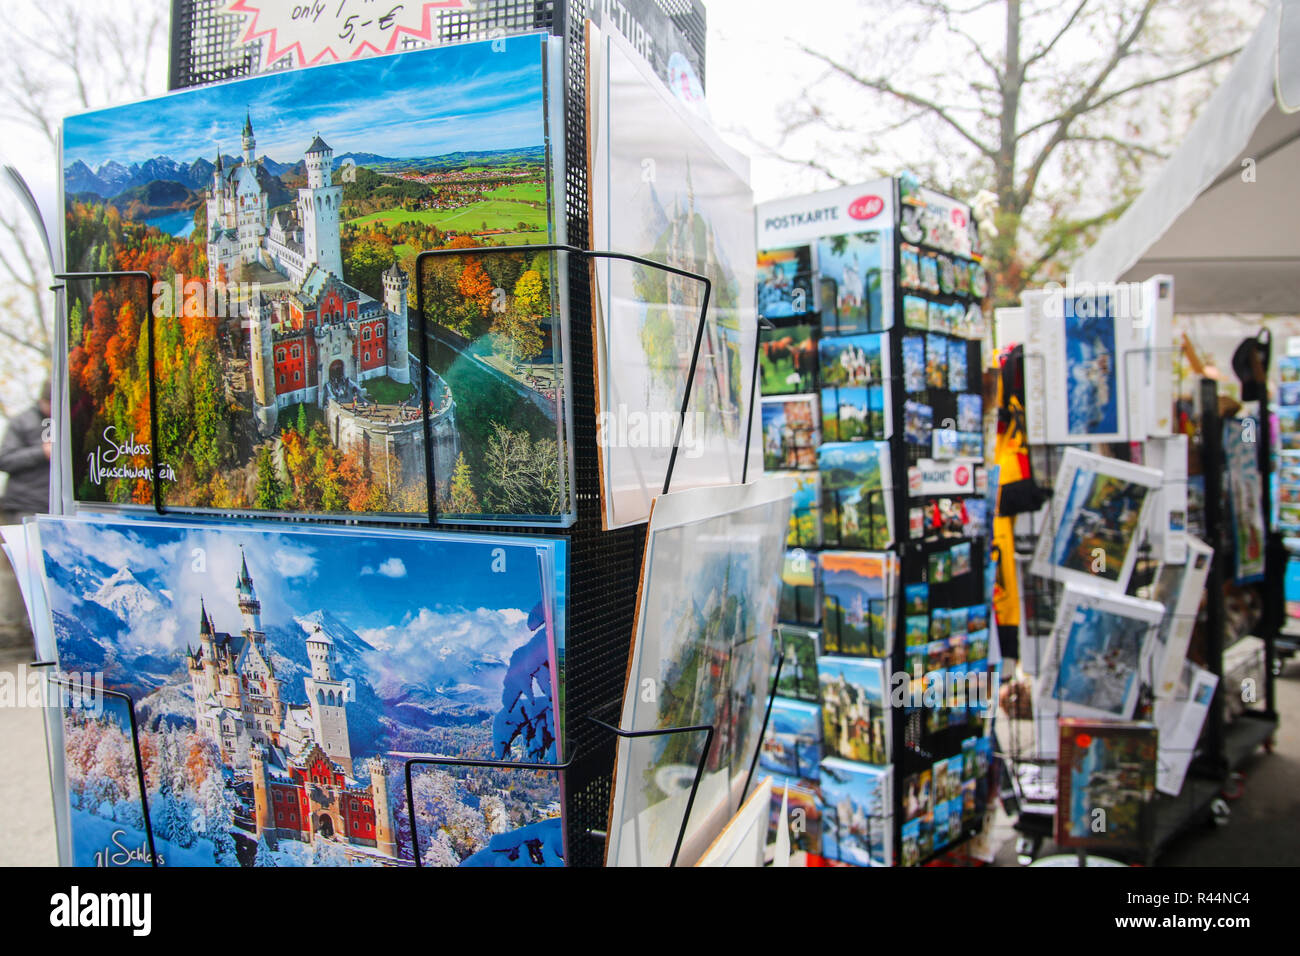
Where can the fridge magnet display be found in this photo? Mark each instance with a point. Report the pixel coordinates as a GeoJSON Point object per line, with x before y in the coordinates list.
{"type": "Point", "coordinates": [941, 810]}
{"type": "Point", "coordinates": [785, 282]}
{"type": "Point", "coordinates": [1099, 646]}
{"type": "Point", "coordinates": [800, 647]}
{"type": "Point", "coordinates": [792, 747]}
{"type": "Point", "coordinates": [915, 523]}
{"type": "Point", "coordinates": [1241, 458]}
{"type": "Point", "coordinates": [957, 320]}
{"type": "Point", "coordinates": [854, 359]}
{"type": "Point", "coordinates": [696, 212]}
{"type": "Point", "coordinates": [858, 592]}
{"type": "Point", "coordinates": [970, 413]}
{"type": "Point", "coordinates": [858, 819]}
{"type": "Point", "coordinates": [856, 413]}
{"type": "Point", "coordinates": [787, 359]}
{"type": "Point", "coordinates": [937, 317]}
{"type": "Point", "coordinates": [856, 484]}
{"type": "Point", "coordinates": [940, 566]}
{"type": "Point", "coordinates": [918, 423]}
{"type": "Point", "coordinates": [790, 434]}
{"type": "Point", "coordinates": [970, 444]}
{"type": "Point", "coordinates": [940, 624]}
{"type": "Point", "coordinates": [977, 617]}
{"type": "Point", "coordinates": [917, 628]}
{"type": "Point", "coordinates": [957, 365]}
{"type": "Point", "coordinates": [287, 373]}
{"type": "Point", "coordinates": [708, 591]}
{"type": "Point", "coordinates": [947, 280]}
{"type": "Point", "coordinates": [855, 708]}
{"type": "Point", "coordinates": [855, 266]}
{"type": "Point", "coordinates": [800, 600]}
{"type": "Point", "coordinates": [916, 312]}
{"type": "Point", "coordinates": [1098, 516]}
{"type": "Point", "coordinates": [1105, 771]}
{"type": "Point", "coordinates": [914, 363]}
{"type": "Point", "coordinates": [957, 616]}
{"type": "Point", "coordinates": [979, 281]}
{"type": "Point", "coordinates": [911, 835]}
{"type": "Point", "coordinates": [936, 361]}
{"type": "Point", "coordinates": [272, 689]}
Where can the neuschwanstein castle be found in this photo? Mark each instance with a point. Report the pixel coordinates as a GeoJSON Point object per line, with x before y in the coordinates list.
{"type": "Point", "coordinates": [299, 755]}
{"type": "Point", "coordinates": [320, 338]}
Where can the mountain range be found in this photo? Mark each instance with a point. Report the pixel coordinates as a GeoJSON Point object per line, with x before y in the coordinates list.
{"type": "Point", "coordinates": [113, 178]}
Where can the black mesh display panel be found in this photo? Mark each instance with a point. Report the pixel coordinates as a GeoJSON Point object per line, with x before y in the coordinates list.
{"type": "Point", "coordinates": [604, 567]}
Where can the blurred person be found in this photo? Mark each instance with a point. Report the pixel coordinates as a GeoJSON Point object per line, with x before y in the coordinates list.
{"type": "Point", "coordinates": [25, 456]}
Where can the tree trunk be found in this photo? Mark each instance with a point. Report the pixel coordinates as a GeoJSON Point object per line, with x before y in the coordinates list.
{"type": "Point", "coordinates": [1008, 219]}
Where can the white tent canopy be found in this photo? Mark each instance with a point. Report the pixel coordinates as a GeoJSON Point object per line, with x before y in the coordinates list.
{"type": "Point", "coordinates": [1227, 230]}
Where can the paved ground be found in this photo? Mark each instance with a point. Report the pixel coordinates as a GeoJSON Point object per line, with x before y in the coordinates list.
{"type": "Point", "coordinates": [1262, 831]}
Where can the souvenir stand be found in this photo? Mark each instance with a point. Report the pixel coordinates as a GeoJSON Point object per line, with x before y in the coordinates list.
{"type": "Point", "coordinates": [872, 348]}
{"type": "Point", "coordinates": [1207, 758]}
{"type": "Point", "coordinates": [604, 567]}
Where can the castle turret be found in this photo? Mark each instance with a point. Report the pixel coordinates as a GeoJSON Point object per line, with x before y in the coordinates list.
{"type": "Point", "coordinates": [261, 360]}
{"type": "Point", "coordinates": [385, 840]}
{"type": "Point", "coordinates": [249, 141]}
{"type": "Point", "coordinates": [395, 285]}
{"type": "Point", "coordinates": [328, 700]}
{"type": "Point", "coordinates": [250, 608]}
{"type": "Point", "coordinates": [318, 211]}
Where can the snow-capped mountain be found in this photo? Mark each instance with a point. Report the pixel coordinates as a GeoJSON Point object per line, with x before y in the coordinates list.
{"type": "Point", "coordinates": [126, 597]}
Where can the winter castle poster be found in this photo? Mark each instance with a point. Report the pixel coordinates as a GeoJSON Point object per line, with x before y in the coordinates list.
{"type": "Point", "coordinates": [282, 679]}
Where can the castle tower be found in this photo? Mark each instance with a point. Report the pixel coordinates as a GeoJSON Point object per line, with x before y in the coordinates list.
{"type": "Point", "coordinates": [263, 815]}
{"type": "Point", "coordinates": [395, 285]}
{"type": "Point", "coordinates": [385, 841]}
{"type": "Point", "coordinates": [250, 608]}
{"type": "Point", "coordinates": [328, 700]}
{"type": "Point", "coordinates": [318, 210]}
{"type": "Point", "coordinates": [261, 332]}
{"type": "Point", "coordinates": [249, 141]}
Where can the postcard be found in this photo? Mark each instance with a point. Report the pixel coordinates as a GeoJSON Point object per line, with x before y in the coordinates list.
{"type": "Point", "coordinates": [1097, 515]}
{"type": "Point", "coordinates": [709, 586]}
{"type": "Point", "coordinates": [957, 619]}
{"type": "Point", "coordinates": [961, 559]}
{"type": "Point", "coordinates": [936, 361]}
{"type": "Point", "coordinates": [1107, 775]}
{"type": "Point", "coordinates": [916, 312]}
{"type": "Point", "coordinates": [918, 423]}
{"type": "Point", "coordinates": [277, 668]}
{"type": "Point", "coordinates": [858, 267]}
{"type": "Point", "coordinates": [787, 359]}
{"type": "Point", "coordinates": [803, 813]}
{"type": "Point", "coordinates": [1179, 718]}
{"type": "Point", "coordinates": [290, 368]}
{"type": "Point", "coordinates": [914, 363]}
{"type": "Point", "coordinates": [917, 598]}
{"type": "Point", "coordinates": [957, 352]}
{"type": "Point", "coordinates": [855, 708]}
{"type": "Point", "coordinates": [940, 624]}
{"type": "Point", "coordinates": [911, 834]}
{"type": "Point", "coordinates": [854, 359]}
{"type": "Point", "coordinates": [858, 589]}
{"type": "Point", "coordinates": [970, 413]}
{"type": "Point", "coordinates": [1249, 527]}
{"type": "Point", "coordinates": [856, 413]}
{"type": "Point", "coordinates": [977, 617]}
{"type": "Point", "coordinates": [792, 747]}
{"type": "Point", "coordinates": [800, 599]}
{"type": "Point", "coordinates": [857, 479]}
{"type": "Point", "coordinates": [800, 647]}
{"type": "Point", "coordinates": [978, 649]}
{"type": "Point", "coordinates": [805, 510]}
{"type": "Point", "coordinates": [785, 282]}
{"type": "Point", "coordinates": [910, 265]}
{"type": "Point", "coordinates": [697, 212]}
{"type": "Point", "coordinates": [917, 798]}
{"type": "Point", "coordinates": [918, 629]}
{"type": "Point", "coordinates": [1179, 587]}
{"type": "Point", "coordinates": [1099, 646]}
{"type": "Point", "coordinates": [858, 814]}
{"type": "Point", "coordinates": [790, 432]}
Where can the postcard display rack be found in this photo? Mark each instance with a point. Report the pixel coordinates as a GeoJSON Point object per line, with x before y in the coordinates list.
{"type": "Point", "coordinates": [871, 326]}
{"type": "Point", "coordinates": [602, 567]}
{"type": "Point", "coordinates": [1121, 583]}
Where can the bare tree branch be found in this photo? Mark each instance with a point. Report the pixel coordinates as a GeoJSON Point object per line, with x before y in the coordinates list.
{"type": "Point", "coordinates": [1047, 47]}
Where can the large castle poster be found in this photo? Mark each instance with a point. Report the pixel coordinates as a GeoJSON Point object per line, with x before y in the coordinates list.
{"type": "Point", "coordinates": [282, 679]}
{"type": "Point", "coordinates": [280, 218]}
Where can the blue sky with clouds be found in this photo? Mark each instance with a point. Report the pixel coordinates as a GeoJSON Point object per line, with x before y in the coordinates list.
{"type": "Point", "coordinates": [418, 104]}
